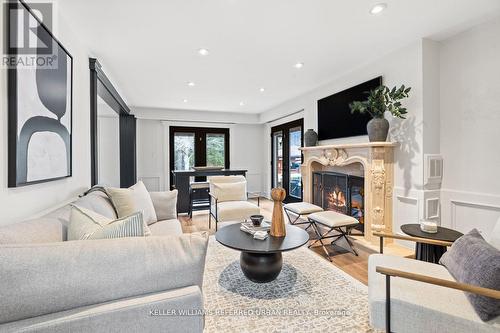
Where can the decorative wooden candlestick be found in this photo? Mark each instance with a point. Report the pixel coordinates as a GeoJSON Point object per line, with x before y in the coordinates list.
{"type": "Point", "coordinates": [278, 223]}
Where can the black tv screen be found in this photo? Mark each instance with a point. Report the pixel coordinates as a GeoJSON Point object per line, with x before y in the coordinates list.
{"type": "Point", "coordinates": [335, 119]}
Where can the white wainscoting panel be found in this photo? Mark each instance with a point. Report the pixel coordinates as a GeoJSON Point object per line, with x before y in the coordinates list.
{"type": "Point", "coordinates": [407, 209]}
{"type": "Point", "coordinates": [152, 183]}
{"type": "Point", "coordinates": [464, 211]}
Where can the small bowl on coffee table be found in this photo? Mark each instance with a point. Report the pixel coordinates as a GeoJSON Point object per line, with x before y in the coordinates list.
{"type": "Point", "coordinates": [256, 219]}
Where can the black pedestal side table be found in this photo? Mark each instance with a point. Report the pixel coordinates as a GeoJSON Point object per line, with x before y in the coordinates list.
{"type": "Point", "coordinates": [429, 252]}
{"type": "Point", "coordinates": [261, 260]}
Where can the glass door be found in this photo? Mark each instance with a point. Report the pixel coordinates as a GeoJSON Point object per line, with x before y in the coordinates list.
{"type": "Point", "coordinates": [295, 160]}
{"type": "Point", "coordinates": [184, 158]}
{"type": "Point", "coordinates": [278, 159]}
{"type": "Point", "coordinates": [198, 146]}
{"type": "Point", "coordinates": [287, 158]}
{"type": "Point", "coordinates": [215, 150]}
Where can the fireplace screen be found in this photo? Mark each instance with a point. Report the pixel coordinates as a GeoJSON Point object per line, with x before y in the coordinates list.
{"type": "Point", "coordinates": [335, 193]}
{"type": "Point", "coordinates": [341, 193]}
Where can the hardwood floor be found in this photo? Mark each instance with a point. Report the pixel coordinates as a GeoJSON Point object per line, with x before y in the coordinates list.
{"type": "Point", "coordinates": [356, 266]}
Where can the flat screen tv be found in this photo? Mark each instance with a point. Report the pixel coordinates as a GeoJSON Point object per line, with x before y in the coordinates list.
{"type": "Point", "coordinates": [335, 119]}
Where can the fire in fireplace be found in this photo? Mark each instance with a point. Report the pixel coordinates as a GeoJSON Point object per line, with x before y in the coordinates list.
{"type": "Point", "coordinates": [341, 193]}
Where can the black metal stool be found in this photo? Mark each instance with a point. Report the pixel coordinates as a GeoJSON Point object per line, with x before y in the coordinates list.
{"type": "Point", "coordinates": [334, 222]}
{"type": "Point", "coordinates": [199, 199]}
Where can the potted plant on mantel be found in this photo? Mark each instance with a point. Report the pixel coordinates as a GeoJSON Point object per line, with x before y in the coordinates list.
{"type": "Point", "coordinates": [379, 101]}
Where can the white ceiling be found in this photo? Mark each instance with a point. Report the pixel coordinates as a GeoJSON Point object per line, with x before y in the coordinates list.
{"type": "Point", "coordinates": [150, 47]}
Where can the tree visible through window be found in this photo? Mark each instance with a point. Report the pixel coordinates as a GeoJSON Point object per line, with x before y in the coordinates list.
{"type": "Point", "coordinates": [215, 150]}
{"type": "Point", "coordinates": [183, 151]}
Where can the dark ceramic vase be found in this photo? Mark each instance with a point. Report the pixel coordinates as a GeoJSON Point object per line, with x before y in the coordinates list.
{"type": "Point", "coordinates": [378, 128]}
{"type": "Point", "coordinates": [310, 138]}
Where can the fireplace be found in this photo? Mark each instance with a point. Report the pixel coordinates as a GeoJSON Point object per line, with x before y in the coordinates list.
{"type": "Point", "coordinates": [341, 193]}
{"type": "Point", "coordinates": [377, 161]}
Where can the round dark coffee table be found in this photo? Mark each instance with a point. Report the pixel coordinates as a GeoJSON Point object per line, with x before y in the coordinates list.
{"type": "Point", "coordinates": [261, 260]}
{"type": "Point", "coordinates": [429, 252]}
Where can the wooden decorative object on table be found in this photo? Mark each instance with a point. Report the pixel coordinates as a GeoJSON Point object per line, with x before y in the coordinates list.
{"type": "Point", "coordinates": [278, 223]}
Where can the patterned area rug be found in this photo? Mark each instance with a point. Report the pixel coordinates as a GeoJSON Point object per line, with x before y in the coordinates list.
{"type": "Point", "coordinates": [309, 295]}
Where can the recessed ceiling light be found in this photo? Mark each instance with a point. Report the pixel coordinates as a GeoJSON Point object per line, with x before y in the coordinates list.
{"type": "Point", "coordinates": [242, 104]}
{"type": "Point", "coordinates": [190, 83]}
{"type": "Point", "coordinates": [203, 52]}
{"type": "Point", "coordinates": [299, 65]}
{"type": "Point", "coordinates": [378, 8]}
{"type": "Point", "coordinates": [262, 89]}
{"type": "Point", "coordinates": [185, 100]}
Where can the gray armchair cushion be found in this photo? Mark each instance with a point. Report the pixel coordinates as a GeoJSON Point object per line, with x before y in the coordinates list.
{"type": "Point", "coordinates": [473, 261]}
{"type": "Point", "coordinates": [39, 279]}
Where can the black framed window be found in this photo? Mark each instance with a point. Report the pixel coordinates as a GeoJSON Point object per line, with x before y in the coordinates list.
{"type": "Point", "coordinates": [198, 146]}
{"type": "Point", "coordinates": [286, 158]}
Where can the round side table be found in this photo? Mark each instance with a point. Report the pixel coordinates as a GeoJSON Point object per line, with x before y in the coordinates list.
{"type": "Point", "coordinates": [429, 252]}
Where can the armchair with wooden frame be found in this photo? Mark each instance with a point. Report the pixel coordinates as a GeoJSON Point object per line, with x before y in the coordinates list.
{"type": "Point", "coordinates": [422, 296]}
{"type": "Point", "coordinates": [229, 200]}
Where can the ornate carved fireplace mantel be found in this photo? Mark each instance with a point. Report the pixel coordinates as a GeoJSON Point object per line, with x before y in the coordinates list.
{"type": "Point", "coordinates": [377, 159]}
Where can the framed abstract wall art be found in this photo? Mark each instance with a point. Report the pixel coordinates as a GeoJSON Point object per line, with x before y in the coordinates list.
{"type": "Point", "coordinates": [40, 79]}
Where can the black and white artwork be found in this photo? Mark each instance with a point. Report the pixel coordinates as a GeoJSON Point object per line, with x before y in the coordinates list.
{"type": "Point", "coordinates": [40, 112]}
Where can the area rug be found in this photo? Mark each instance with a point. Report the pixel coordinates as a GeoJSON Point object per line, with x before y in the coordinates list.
{"type": "Point", "coordinates": [309, 295]}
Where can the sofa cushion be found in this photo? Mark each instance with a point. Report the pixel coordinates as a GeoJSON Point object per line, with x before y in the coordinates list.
{"type": "Point", "coordinates": [418, 306]}
{"type": "Point", "coordinates": [166, 228]}
{"type": "Point", "coordinates": [133, 199]}
{"type": "Point", "coordinates": [98, 202]}
{"type": "Point", "coordinates": [86, 224]}
{"type": "Point", "coordinates": [41, 230]}
{"type": "Point", "coordinates": [236, 210]}
{"type": "Point", "coordinates": [473, 261]}
{"type": "Point", "coordinates": [123, 315]}
{"type": "Point", "coordinates": [39, 279]}
{"type": "Point", "coordinates": [165, 204]}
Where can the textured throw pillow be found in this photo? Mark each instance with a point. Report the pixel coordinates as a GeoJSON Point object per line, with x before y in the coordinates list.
{"type": "Point", "coordinates": [230, 191]}
{"type": "Point", "coordinates": [165, 204]}
{"type": "Point", "coordinates": [133, 199]}
{"type": "Point", "coordinates": [473, 261]}
{"type": "Point", "coordinates": [86, 224]}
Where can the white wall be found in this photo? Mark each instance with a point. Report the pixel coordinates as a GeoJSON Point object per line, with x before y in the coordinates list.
{"type": "Point", "coordinates": [245, 146]}
{"type": "Point", "coordinates": [20, 203]}
{"type": "Point", "coordinates": [108, 145]}
{"type": "Point", "coordinates": [400, 67]}
{"type": "Point", "coordinates": [453, 111]}
{"type": "Point", "coordinates": [470, 128]}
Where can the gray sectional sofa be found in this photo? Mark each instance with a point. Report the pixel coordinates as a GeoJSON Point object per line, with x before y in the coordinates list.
{"type": "Point", "coordinates": [49, 284]}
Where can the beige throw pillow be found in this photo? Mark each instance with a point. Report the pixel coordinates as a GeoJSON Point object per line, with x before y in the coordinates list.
{"type": "Point", "coordinates": [230, 191]}
{"type": "Point", "coordinates": [86, 224]}
{"type": "Point", "coordinates": [133, 199]}
{"type": "Point", "coordinates": [165, 204]}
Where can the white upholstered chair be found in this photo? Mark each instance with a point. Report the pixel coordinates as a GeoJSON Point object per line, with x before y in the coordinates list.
{"type": "Point", "coordinates": [228, 200]}
{"type": "Point", "coordinates": [424, 297]}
